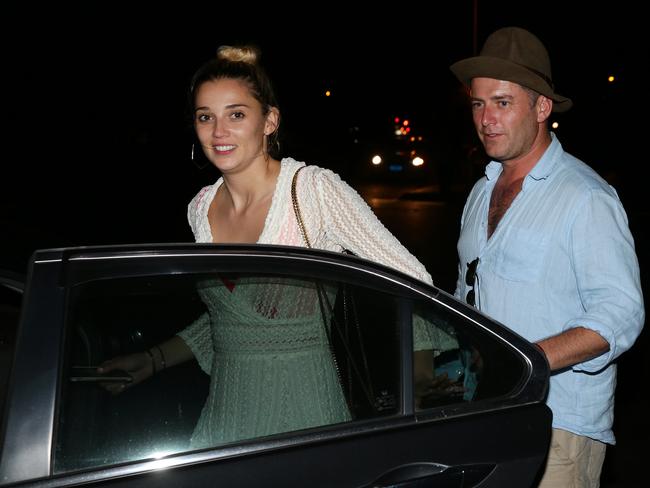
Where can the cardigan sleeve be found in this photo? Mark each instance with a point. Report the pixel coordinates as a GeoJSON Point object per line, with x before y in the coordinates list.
{"type": "Point", "coordinates": [347, 222]}
{"type": "Point", "coordinates": [198, 338]}
{"type": "Point", "coordinates": [340, 217]}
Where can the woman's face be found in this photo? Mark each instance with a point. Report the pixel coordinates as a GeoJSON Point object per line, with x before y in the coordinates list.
{"type": "Point", "coordinates": [230, 124]}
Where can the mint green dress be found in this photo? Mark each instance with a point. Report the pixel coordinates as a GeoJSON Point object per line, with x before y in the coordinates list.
{"type": "Point", "coordinates": [263, 343]}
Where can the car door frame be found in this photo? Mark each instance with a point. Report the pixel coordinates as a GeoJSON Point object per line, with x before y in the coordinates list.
{"type": "Point", "coordinates": [491, 444]}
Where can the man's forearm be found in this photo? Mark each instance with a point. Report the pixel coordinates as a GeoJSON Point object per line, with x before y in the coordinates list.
{"type": "Point", "coordinates": [572, 346]}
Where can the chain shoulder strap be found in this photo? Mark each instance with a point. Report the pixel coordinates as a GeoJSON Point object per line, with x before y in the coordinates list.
{"type": "Point", "coordinates": [349, 315]}
{"type": "Point", "coordinates": [296, 207]}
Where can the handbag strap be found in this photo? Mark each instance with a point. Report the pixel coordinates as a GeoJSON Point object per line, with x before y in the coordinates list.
{"type": "Point", "coordinates": [365, 382]}
{"type": "Point", "coordinates": [296, 207]}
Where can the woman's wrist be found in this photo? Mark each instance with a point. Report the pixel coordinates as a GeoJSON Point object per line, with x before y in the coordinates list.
{"type": "Point", "coordinates": [157, 358]}
{"type": "Point", "coordinates": [153, 362]}
{"type": "Point", "coordinates": [163, 362]}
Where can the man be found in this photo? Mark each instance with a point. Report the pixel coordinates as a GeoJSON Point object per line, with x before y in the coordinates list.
{"type": "Point", "coordinates": [545, 248]}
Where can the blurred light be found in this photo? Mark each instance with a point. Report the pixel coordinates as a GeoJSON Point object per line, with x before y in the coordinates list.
{"type": "Point", "coordinates": [611, 78]}
{"type": "Point", "coordinates": [408, 129]}
{"type": "Point", "coordinates": [397, 120]}
{"type": "Point", "coordinates": [419, 138]}
{"type": "Point", "coordinates": [406, 122]}
{"type": "Point", "coordinates": [161, 454]}
{"type": "Point", "coordinates": [327, 93]}
{"type": "Point", "coordinates": [398, 132]}
{"type": "Point", "coordinates": [412, 138]}
{"type": "Point", "coordinates": [555, 125]}
{"type": "Point", "coordinates": [160, 463]}
{"type": "Point", "coordinates": [376, 159]}
{"type": "Point", "coordinates": [417, 161]}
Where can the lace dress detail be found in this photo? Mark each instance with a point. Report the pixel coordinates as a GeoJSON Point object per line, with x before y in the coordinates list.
{"type": "Point", "coordinates": [270, 365]}
{"type": "Point", "coordinates": [263, 343]}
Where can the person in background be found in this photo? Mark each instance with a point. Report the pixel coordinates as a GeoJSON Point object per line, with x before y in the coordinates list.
{"type": "Point", "coordinates": [256, 389]}
{"type": "Point", "coordinates": [545, 248]}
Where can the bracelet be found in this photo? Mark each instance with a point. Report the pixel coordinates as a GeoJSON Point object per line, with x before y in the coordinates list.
{"type": "Point", "coordinates": [153, 363]}
{"type": "Point", "coordinates": [163, 363]}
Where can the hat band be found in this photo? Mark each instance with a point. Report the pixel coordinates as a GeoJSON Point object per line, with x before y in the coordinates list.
{"type": "Point", "coordinates": [541, 75]}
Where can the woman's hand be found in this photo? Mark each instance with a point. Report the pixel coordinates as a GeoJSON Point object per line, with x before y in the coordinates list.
{"type": "Point", "coordinates": [139, 366]}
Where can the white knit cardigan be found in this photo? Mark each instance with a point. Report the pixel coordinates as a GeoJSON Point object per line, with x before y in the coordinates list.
{"type": "Point", "coordinates": [335, 217]}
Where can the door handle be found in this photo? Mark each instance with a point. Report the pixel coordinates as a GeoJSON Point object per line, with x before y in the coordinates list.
{"type": "Point", "coordinates": [433, 475]}
{"type": "Point", "coordinates": [90, 374]}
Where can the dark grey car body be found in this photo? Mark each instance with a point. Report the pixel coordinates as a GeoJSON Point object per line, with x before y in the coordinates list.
{"type": "Point", "coordinates": [498, 438]}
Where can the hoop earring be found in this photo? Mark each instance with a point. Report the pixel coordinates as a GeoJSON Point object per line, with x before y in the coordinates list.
{"type": "Point", "coordinates": [196, 161]}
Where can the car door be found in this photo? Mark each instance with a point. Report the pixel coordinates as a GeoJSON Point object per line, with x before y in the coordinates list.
{"type": "Point", "coordinates": [435, 393]}
{"type": "Point", "coordinates": [11, 289]}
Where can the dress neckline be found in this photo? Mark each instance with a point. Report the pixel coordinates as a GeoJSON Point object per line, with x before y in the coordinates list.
{"type": "Point", "coordinates": [274, 203]}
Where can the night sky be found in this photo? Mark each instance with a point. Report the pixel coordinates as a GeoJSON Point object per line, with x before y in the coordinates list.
{"type": "Point", "coordinates": [96, 95]}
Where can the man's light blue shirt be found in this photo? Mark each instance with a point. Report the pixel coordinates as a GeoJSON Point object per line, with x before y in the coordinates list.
{"type": "Point", "coordinates": [561, 257]}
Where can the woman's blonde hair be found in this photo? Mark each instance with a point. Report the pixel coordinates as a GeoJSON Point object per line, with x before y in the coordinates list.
{"type": "Point", "coordinates": [238, 54]}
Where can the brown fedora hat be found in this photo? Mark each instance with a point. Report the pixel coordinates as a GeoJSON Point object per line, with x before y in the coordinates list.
{"type": "Point", "coordinates": [513, 54]}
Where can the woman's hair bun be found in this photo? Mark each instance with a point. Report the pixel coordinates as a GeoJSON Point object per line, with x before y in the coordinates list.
{"type": "Point", "coordinates": [238, 54]}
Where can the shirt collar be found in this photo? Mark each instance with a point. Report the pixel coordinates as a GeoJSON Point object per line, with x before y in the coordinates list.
{"type": "Point", "coordinates": [540, 171]}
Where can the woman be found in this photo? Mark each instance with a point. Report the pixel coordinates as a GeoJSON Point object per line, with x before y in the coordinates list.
{"type": "Point", "coordinates": [256, 389]}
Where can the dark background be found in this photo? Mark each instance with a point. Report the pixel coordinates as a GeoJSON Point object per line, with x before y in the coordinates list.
{"type": "Point", "coordinates": [96, 136]}
{"type": "Point", "coordinates": [97, 140]}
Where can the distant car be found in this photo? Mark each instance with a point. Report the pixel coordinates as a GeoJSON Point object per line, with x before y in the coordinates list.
{"type": "Point", "coordinates": [396, 159]}
{"type": "Point", "coordinates": [84, 305]}
{"type": "Point", "coordinates": [395, 153]}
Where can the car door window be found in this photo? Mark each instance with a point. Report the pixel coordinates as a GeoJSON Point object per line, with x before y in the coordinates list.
{"type": "Point", "coordinates": [274, 354]}
{"type": "Point", "coordinates": [462, 363]}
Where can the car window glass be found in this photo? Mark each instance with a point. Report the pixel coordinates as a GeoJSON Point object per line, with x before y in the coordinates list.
{"type": "Point", "coordinates": [456, 362]}
{"type": "Point", "coordinates": [274, 354]}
